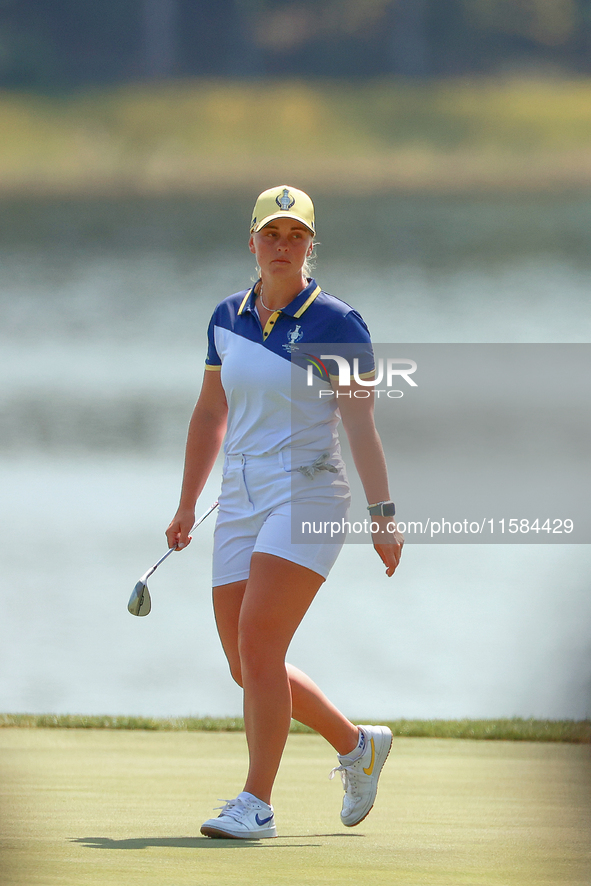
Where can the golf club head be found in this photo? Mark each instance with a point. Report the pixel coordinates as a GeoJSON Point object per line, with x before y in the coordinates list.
{"type": "Point", "coordinates": [139, 602]}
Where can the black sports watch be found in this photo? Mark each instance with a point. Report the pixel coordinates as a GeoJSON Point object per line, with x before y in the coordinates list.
{"type": "Point", "coordinates": [382, 509]}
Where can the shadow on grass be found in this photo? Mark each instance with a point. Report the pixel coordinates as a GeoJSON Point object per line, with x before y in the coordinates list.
{"type": "Point", "coordinates": [200, 842]}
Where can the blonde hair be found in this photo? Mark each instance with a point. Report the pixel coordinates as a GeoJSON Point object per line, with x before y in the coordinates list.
{"type": "Point", "coordinates": [310, 262]}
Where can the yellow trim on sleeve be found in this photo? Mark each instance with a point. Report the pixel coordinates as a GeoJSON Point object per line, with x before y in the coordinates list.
{"type": "Point", "coordinates": [214, 368]}
{"type": "Point", "coordinates": [307, 303]}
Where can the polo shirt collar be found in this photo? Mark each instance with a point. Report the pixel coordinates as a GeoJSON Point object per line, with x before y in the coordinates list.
{"type": "Point", "coordinates": [292, 308]}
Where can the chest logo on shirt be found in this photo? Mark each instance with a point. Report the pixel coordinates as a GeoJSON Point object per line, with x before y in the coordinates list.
{"type": "Point", "coordinates": [294, 335]}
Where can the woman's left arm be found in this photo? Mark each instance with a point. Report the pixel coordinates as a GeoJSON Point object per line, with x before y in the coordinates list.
{"type": "Point", "coordinates": [357, 414]}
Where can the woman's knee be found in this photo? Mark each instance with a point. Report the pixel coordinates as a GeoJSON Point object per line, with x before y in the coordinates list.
{"type": "Point", "coordinates": [233, 658]}
{"type": "Point", "coordinates": [236, 670]}
{"type": "Point", "coordinates": [257, 656]}
{"type": "Point", "coordinates": [227, 600]}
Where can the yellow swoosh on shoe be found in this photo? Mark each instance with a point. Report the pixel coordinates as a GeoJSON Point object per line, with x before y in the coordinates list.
{"type": "Point", "coordinates": [369, 769]}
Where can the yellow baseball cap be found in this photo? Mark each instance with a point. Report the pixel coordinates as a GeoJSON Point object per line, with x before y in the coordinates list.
{"type": "Point", "coordinates": [282, 202]}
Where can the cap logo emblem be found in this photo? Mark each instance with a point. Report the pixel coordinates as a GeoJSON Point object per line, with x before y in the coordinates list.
{"type": "Point", "coordinates": [286, 201]}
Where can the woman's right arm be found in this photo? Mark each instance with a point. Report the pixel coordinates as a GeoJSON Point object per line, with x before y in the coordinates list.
{"type": "Point", "coordinates": [206, 432]}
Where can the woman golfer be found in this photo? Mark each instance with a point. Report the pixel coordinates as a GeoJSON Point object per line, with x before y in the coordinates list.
{"type": "Point", "coordinates": [282, 453]}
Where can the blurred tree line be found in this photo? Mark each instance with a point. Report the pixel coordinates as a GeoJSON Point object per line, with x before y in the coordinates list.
{"type": "Point", "coordinates": [64, 44]}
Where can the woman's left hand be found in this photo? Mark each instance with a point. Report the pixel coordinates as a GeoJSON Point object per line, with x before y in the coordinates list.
{"type": "Point", "coordinates": [388, 544]}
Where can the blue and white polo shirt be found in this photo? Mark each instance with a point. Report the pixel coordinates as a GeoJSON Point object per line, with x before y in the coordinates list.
{"type": "Point", "coordinates": [267, 412]}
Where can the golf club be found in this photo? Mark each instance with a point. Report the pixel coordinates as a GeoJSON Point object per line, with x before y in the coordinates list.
{"type": "Point", "coordinates": [140, 602]}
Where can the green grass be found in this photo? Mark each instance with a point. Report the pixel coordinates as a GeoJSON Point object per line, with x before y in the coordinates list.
{"type": "Point", "coordinates": [204, 136]}
{"type": "Point", "coordinates": [514, 729]}
{"type": "Point", "coordinates": [120, 808]}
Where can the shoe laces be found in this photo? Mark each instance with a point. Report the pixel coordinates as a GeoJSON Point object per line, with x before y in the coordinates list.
{"type": "Point", "coordinates": [232, 808]}
{"type": "Point", "coordinates": [348, 779]}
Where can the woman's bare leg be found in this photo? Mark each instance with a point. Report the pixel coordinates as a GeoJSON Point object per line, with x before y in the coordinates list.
{"type": "Point", "coordinates": [256, 620]}
{"type": "Point", "coordinates": [311, 707]}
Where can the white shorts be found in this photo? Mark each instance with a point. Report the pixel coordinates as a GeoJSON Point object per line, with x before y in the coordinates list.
{"type": "Point", "coordinates": [262, 500]}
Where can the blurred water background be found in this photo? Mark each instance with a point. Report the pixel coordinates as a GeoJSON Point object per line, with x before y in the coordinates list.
{"type": "Point", "coordinates": [105, 307]}
{"type": "Point", "coordinates": [447, 144]}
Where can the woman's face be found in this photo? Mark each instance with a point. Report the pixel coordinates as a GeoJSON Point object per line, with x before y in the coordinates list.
{"type": "Point", "coordinates": [282, 247]}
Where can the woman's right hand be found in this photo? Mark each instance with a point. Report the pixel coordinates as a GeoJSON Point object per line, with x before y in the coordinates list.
{"type": "Point", "coordinates": [181, 524]}
{"type": "Point", "coordinates": [388, 544]}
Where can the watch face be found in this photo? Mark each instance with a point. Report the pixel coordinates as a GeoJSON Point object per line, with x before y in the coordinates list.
{"type": "Point", "coordinates": [385, 510]}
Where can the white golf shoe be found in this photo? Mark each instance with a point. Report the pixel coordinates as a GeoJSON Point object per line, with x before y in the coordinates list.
{"type": "Point", "coordinates": [244, 818]}
{"type": "Point", "coordinates": [360, 778]}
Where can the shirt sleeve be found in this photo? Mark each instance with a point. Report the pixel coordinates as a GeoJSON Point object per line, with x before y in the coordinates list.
{"type": "Point", "coordinates": [212, 360]}
{"type": "Point", "coordinates": [353, 342]}
{"type": "Point", "coordinates": [355, 329]}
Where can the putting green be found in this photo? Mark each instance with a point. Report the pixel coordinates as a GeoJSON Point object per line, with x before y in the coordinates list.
{"type": "Point", "coordinates": [81, 807]}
